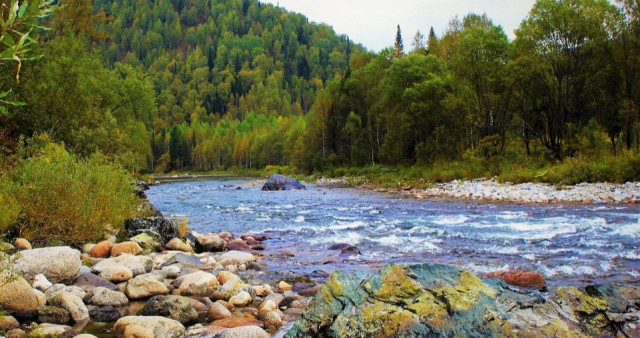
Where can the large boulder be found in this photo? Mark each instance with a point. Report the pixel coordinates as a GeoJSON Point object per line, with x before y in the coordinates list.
{"type": "Point", "coordinates": [16, 295]}
{"type": "Point", "coordinates": [279, 182]}
{"type": "Point", "coordinates": [175, 307]}
{"type": "Point", "coordinates": [152, 326]}
{"type": "Point", "coordinates": [58, 264]}
{"type": "Point", "coordinates": [160, 225]}
{"type": "Point", "coordinates": [131, 247]}
{"type": "Point", "coordinates": [425, 300]}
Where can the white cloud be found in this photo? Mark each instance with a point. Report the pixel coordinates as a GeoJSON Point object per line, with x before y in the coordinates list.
{"type": "Point", "coordinates": [373, 22]}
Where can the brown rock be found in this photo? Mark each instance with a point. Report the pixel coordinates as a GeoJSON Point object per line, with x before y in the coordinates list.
{"type": "Point", "coordinates": [179, 245]}
{"type": "Point", "coordinates": [117, 274]}
{"type": "Point", "coordinates": [250, 240]}
{"type": "Point", "coordinates": [239, 245]}
{"type": "Point", "coordinates": [132, 248]}
{"type": "Point", "coordinates": [16, 294]}
{"type": "Point", "coordinates": [218, 311]}
{"type": "Point", "coordinates": [526, 279]}
{"type": "Point", "coordinates": [284, 286]}
{"type": "Point", "coordinates": [22, 244]}
{"type": "Point", "coordinates": [16, 333]}
{"type": "Point", "coordinates": [8, 323]}
{"type": "Point", "coordinates": [226, 304]}
{"type": "Point", "coordinates": [227, 236]}
{"type": "Point", "coordinates": [259, 247]}
{"type": "Point", "coordinates": [237, 322]}
{"type": "Point", "coordinates": [310, 292]}
{"type": "Point", "coordinates": [101, 250]}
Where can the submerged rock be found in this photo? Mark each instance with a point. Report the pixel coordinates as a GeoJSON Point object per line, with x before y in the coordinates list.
{"type": "Point", "coordinates": [436, 300]}
{"type": "Point", "coordinates": [279, 182]}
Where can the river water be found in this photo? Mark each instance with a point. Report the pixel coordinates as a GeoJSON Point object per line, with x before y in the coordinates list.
{"type": "Point", "coordinates": [568, 244]}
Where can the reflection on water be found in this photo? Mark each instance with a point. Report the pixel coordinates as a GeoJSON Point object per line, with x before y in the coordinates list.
{"type": "Point", "coordinates": [567, 243]}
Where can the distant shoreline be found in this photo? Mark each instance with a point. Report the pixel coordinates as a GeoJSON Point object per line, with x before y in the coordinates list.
{"type": "Point", "coordinates": [529, 193]}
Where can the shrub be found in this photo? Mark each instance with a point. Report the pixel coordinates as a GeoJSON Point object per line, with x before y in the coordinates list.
{"type": "Point", "coordinates": [9, 207]}
{"type": "Point", "coordinates": [71, 200]}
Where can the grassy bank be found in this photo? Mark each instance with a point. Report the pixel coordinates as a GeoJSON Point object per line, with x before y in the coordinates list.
{"type": "Point", "coordinates": [622, 168]}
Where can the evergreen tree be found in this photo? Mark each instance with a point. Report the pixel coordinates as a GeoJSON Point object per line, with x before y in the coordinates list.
{"type": "Point", "coordinates": [398, 47]}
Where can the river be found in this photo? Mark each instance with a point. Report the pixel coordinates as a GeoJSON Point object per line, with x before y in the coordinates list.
{"type": "Point", "coordinates": [567, 243]}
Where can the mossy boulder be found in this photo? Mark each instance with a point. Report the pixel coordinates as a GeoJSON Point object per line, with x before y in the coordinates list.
{"type": "Point", "coordinates": [436, 300]}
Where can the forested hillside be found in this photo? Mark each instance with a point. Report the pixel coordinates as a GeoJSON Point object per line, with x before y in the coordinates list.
{"type": "Point", "coordinates": [213, 85]}
{"type": "Point", "coordinates": [229, 75]}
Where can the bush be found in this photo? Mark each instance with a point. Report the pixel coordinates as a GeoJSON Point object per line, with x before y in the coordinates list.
{"type": "Point", "coordinates": [9, 207]}
{"type": "Point", "coordinates": [75, 201]}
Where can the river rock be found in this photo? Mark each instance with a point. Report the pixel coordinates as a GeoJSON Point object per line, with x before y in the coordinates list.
{"type": "Point", "coordinates": [185, 260]}
{"type": "Point", "coordinates": [8, 323]}
{"type": "Point", "coordinates": [144, 287]}
{"type": "Point", "coordinates": [41, 282]}
{"type": "Point", "coordinates": [130, 247]}
{"type": "Point", "coordinates": [198, 283]}
{"type": "Point", "coordinates": [210, 243]}
{"type": "Point", "coordinates": [6, 247]}
{"type": "Point", "coordinates": [101, 250]}
{"type": "Point", "coordinates": [137, 264]}
{"type": "Point", "coordinates": [116, 274]}
{"type": "Point", "coordinates": [520, 278]}
{"type": "Point", "coordinates": [232, 286]}
{"type": "Point", "coordinates": [58, 264]}
{"type": "Point", "coordinates": [217, 311]}
{"type": "Point", "coordinates": [175, 307]}
{"type": "Point", "coordinates": [22, 244]}
{"type": "Point", "coordinates": [242, 298]}
{"type": "Point", "coordinates": [284, 286]}
{"type": "Point", "coordinates": [237, 322]}
{"type": "Point", "coordinates": [164, 227]}
{"type": "Point", "coordinates": [104, 297]}
{"type": "Point", "coordinates": [178, 245]}
{"type": "Point", "coordinates": [71, 303]}
{"type": "Point", "coordinates": [279, 182]}
{"type": "Point", "coordinates": [238, 244]}
{"type": "Point", "coordinates": [148, 241]}
{"type": "Point", "coordinates": [244, 331]}
{"type": "Point", "coordinates": [49, 330]}
{"type": "Point", "coordinates": [88, 281]}
{"type": "Point", "coordinates": [16, 295]}
{"type": "Point", "coordinates": [273, 319]}
{"type": "Point", "coordinates": [104, 314]}
{"type": "Point", "coordinates": [147, 327]}
{"type": "Point", "coordinates": [54, 315]}
{"type": "Point", "coordinates": [236, 257]}
{"type": "Point", "coordinates": [58, 288]}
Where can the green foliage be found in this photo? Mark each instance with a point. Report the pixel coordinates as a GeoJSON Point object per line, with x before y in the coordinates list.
{"type": "Point", "coordinates": [9, 207]}
{"type": "Point", "coordinates": [64, 198]}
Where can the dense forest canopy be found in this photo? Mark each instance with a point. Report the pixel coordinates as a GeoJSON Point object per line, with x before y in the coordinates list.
{"type": "Point", "coordinates": [216, 84]}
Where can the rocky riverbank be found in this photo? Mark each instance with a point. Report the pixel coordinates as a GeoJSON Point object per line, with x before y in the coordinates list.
{"type": "Point", "coordinates": [141, 288]}
{"type": "Point", "coordinates": [491, 190]}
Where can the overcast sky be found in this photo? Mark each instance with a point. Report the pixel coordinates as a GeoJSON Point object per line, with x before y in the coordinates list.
{"type": "Point", "coordinates": [373, 22]}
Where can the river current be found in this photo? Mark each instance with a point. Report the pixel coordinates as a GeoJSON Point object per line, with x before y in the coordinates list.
{"type": "Point", "coordinates": [568, 244]}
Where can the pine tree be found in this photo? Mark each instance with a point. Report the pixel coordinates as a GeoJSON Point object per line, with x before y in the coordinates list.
{"type": "Point", "coordinates": [432, 41]}
{"type": "Point", "coordinates": [399, 45]}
